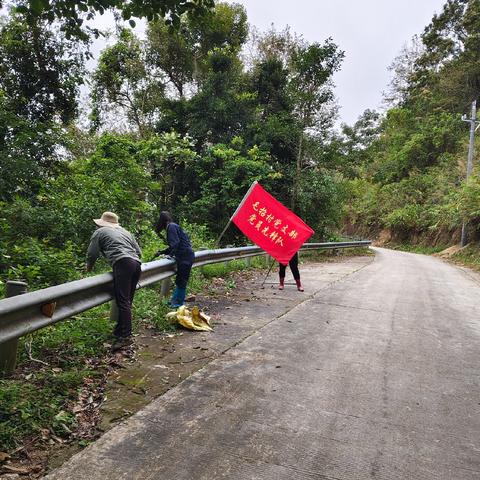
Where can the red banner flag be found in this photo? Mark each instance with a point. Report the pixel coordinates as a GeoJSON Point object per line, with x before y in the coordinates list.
{"type": "Point", "coordinates": [270, 225]}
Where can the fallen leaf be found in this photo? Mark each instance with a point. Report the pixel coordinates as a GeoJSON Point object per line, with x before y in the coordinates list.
{"type": "Point", "coordinates": [4, 456]}
{"type": "Point", "coordinates": [20, 470]}
{"type": "Point", "coordinates": [49, 309]}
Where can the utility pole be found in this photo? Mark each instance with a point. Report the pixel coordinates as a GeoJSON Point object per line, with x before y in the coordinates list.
{"type": "Point", "coordinates": [474, 123]}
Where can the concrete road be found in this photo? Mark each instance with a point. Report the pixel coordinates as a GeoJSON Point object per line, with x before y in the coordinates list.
{"type": "Point", "coordinates": [376, 376]}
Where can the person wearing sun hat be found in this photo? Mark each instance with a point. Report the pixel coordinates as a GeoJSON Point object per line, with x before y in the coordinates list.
{"type": "Point", "coordinates": [122, 252]}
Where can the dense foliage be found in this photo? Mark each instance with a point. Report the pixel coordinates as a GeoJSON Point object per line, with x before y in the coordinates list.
{"type": "Point", "coordinates": [408, 168]}
{"type": "Point", "coordinates": [180, 120]}
{"type": "Point", "coordinates": [72, 14]}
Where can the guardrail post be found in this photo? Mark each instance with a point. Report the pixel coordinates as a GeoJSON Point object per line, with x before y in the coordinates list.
{"type": "Point", "coordinates": [114, 311]}
{"type": "Point", "coordinates": [202, 269]}
{"type": "Point", "coordinates": [8, 350]}
{"type": "Point", "coordinates": [225, 264]}
{"type": "Point", "coordinates": [248, 262]}
{"type": "Point", "coordinates": [165, 287]}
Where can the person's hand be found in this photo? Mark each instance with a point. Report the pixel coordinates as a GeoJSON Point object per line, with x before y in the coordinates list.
{"type": "Point", "coordinates": [155, 255]}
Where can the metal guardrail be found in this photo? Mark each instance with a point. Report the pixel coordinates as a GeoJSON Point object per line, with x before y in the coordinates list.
{"type": "Point", "coordinates": [32, 311]}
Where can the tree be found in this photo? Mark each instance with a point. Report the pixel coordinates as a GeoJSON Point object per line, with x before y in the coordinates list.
{"type": "Point", "coordinates": [171, 53]}
{"type": "Point", "coordinates": [223, 106]}
{"type": "Point", "coordinates": [224, 173]}
{"type": "Point", "coordinates": [167, 157]}
{"type": "Point", "coordinates": [123, 84]}
{"type": "Point", "coordinates": [72, 13]}
{"type": "Point", "coordinates": [40, 75]}
{"type": "Point", "coordinates": [111, 179]}
{"type": "Point", "coordinates": [40, 71]}
{"type": "Point", "coordinates": [273, 45]}
{"type": "Point", "coordinates": [28, 152]}
{"type": "Point", "coordinates": [403, 70]}
{"type": "Point", "coordinates": [163, 81]}
{"type": "Point", "coordinates": [274, 127]}
{"type": "Point", "coordinates": [448, 71]}
{"type": "Point", "coordinates": [312, 68]}
{"type": "Point", "coordinates": [183, 55]}
{"type": "Point", "coordinates": [321, 200]}
{"type": "Point", "coordinates": [357, 142]}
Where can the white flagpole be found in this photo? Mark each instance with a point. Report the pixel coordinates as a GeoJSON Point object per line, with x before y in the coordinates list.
{"type": "Point", "coordinates": [235, 212]}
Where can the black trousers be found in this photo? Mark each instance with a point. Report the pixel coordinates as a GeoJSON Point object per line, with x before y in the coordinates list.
{"type": "Point", "coordinates": [126, 273]}
{"type": "Point", "coordinates": [293, 263]}
{"type": "Point", "coordinates": [184, 267]}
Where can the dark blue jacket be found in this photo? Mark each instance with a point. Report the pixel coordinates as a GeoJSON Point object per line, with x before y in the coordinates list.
{"type": "Point", "coordinates": [179, 245]}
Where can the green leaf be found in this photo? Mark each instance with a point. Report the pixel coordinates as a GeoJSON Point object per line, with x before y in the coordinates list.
{"type": "Point", "coordinates": [36, 6]}
{"type": "Point", "coordinates": [21, 9]}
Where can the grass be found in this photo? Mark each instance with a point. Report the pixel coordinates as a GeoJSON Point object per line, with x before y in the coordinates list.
{"type": "Point", "coordinates": [39, 396]}
{"type": "Point", "coordinates": [29, 407]}
{"type": "Point", "coordinates": [149, 309]}
{"type": "Point", "coordinates": [425, 250]}
{"type": "Point", "coordinates": [468, 256]}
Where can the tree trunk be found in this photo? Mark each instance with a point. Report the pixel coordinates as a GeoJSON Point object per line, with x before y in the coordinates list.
{"type": "Point", "coordinates": [298, 171]}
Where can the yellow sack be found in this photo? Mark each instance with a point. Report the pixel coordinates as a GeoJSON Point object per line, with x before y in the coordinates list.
{"type": "Point", "coordinates": [192, 319]}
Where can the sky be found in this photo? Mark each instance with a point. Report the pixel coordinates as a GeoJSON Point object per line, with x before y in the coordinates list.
{"type": "Point", "coordinates": [371, 32]}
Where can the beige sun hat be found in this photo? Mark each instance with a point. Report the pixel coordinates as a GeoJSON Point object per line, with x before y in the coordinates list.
{"type": "Point", "coordinates": [108, 219]}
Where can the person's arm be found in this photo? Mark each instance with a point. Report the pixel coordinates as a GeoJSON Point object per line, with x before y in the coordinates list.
{"type": "Point", "coordinates": [93, 251]}
{"type": "Point", "coordinates": [173, 240]}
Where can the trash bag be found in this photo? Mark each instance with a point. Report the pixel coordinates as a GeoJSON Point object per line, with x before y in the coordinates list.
{"type": "Point", "coordinates": [193, 319]}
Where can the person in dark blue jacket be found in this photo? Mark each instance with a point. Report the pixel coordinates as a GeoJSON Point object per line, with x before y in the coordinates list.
{"type": "Point", "coordinates": [180, 248]}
